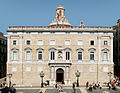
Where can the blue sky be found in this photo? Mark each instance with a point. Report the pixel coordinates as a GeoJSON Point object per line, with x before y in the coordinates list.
{"type": "Point", "coordinates": [42, 12]}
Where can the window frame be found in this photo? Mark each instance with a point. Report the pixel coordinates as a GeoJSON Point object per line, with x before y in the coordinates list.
{"type": "Point", "coordinates": [26, 55]}
{"type": "Point", "coordinates": [94, 52]}
{"type": "Point", "coordinates": [16, 55]}
{"type": "Point", "coordinates": [91, 41]}
{"type": "Point", "coordinates": [38, 54]}
{"type": "Point", "coordinates": [81, 42]}
{"type": "Point", "coordinates": [69, 42]}
{"type": "Point", "coordinates": [104, 43]}
{"type": "Point", "coordinates": [39, 42]}
{"type": "Point", "coordinates": [67, 50]}
{"type": "Point", "coordinates": [13, 42]}
{"type": "Point", "coordinates": [54, 42]}
{"type": "Point", "coordinates": [26, 42]}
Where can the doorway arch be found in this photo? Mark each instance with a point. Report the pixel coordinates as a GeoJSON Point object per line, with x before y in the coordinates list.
{"type": "Point", "coordinates": [60, 75]}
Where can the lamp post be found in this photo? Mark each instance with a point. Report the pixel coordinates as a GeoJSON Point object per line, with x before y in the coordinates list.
{"type": "Point", "coordinates": [77, 75]}
{"type": "Point", "coordinates": [10, 76]}
{"type": "Point", "coordinates": [42, 75]}
{"type": "Point", "coordinates": [110, 74]}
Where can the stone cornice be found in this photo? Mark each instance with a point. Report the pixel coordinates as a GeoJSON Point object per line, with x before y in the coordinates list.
{"type": "Point", "coordinates": [63, 29]}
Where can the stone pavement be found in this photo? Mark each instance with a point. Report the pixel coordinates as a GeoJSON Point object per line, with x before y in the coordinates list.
{"type": "Point", "coordinates": [66, 90]}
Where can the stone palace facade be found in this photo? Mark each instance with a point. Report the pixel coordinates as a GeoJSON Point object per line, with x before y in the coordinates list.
{"type": "Point", "coordinates": [59, 50]}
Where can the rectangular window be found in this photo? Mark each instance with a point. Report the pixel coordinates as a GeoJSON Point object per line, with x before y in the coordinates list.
{"type": "Point", "coordinates": [91, 55]}
{"type": "Point", "coordinates": [105, 69]}
{"type": "Point", "coordinates": [92, 42]}
{"type": "Point", "coordinates": [80, 42]}
{"type": "Point", "coordinates": [14, 69]}
{"type": "Point", "coordinates": [67, 42]}
{"type": "Point", "coordinates": [92, 69]}
{"type": "Point", "coordinates": [105, 43]}
{"type": "Point", "coordinates": [52, 42]}
{"type": "Point", "coordinates": [79, 55]}
{"type": "Point", "coordinates": [14, 42]}
{"type": "Point", "coordinates": [28, 42]}
{"type": "Point", "coordinates": [28, 69]}
{"type": "Point", "coordinates": [40, 42]}
{"type": "Point", "coordinates": [105, 56]}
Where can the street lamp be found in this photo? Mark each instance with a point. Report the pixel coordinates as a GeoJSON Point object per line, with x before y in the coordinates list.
{"type": "Point", "coordinates": [110, 74]}
{"type": "Point", "coordinates": [42, 75]}
{"type": "Point", "coordinates": [10, 76]}
{"type": "Point", "coordinates": [77, 75]}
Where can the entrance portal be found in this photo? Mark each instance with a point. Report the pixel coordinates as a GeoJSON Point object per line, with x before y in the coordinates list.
{"type": "Point", "coordinates": [60, 75]}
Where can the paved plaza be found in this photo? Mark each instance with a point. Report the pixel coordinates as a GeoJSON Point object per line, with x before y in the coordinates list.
{"type": "Point", "coordinates": [67, 90]}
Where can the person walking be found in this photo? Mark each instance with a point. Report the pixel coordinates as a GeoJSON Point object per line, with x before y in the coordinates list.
{"type": "Point", "coordinates": [56, 85]}
{"type": "Point", "coordinates": [73, 85]}
{"type": "Point", "coordinates": [109, 85]}
{"type": "Point", "coordinates": [87, 84]}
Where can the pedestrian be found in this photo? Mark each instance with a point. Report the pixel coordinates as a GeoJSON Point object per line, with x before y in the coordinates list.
{"type": "Point", "coordinates": [56, 85]}
{"type": "Point", "coordinates": [100, 85]}
{"type": "Point", "coordinates": [90, 87]}
{"type": "Point", "coordinates": [73, 85]}
{"type": "Point", "coordinates": [87, 84]}
{"type": "Point", "coordinates": [109, 85]}
{"type": "Point", "coordinates": [40, 91]}
{"type": "Point", "coordinates": [59, 88]}
{"type": "Point", "coordinates": [62, 90]}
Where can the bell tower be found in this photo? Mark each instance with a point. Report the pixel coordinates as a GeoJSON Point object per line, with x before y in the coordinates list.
{"type": "Point", "coordinates": [60, 20]}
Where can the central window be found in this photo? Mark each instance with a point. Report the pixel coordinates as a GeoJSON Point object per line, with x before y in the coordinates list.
{"type": "Point", "coordinates": [52, 55]}
{"type": "Point", "coordinates": [67, 55]}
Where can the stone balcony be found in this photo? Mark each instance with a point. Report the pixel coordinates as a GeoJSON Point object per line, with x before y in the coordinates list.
{"type": "Point", "coordinates": [60, 62]}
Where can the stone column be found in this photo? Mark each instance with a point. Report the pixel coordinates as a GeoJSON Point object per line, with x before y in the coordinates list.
{"type": "Point", "coordinates": [21, 48]}
{"type": "Point", "coordinates": [50, 74]}
{"type": "Point", "coordinates": [69, 77]}
{"type": "Point", "coordinates": [111, 49]}
{"type": "Point", "coordinates": [8, 49]}
{"type": "Point", "coordinates": [65, 80]}
{"type": "Point", "coordinates": [54, 76]}
{"type": "Point", "coordinates": [67, 74]}
{"type": "Point", "coordinates": [99, 48]}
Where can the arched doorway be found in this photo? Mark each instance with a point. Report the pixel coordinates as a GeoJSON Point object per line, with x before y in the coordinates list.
{"type": "Point", "coordinates": [60, 75]}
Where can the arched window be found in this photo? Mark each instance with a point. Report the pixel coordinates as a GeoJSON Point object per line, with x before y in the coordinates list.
{"type": "Point", "coordinates": [92, 53]}
{"type": "Point", "coordinates": [14, 55]}
{"type": "Point", "coordinates": [52, 55]}
{"type": "Point", "coordinates": [40, 55]}
{"type": "Point", "coordinates": [80, 54]}
{"type": "Point", "coordinates": [67, 54]}
{"type": "Point", "coordinates": [28, 55]}
{"type": "Point", "coordinates": [105, 54]}
{"type": "Point", "coordinates": [92, 57]}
